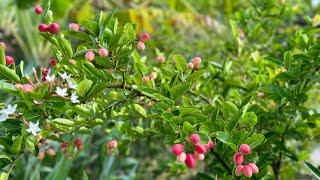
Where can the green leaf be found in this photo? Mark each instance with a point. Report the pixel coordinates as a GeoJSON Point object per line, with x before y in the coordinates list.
{"type": "Point", "coordinates": [78, 35]}
{"type": "Point", "coordinates": [255, 140]}
{"type": "Point", "coordinates": [140, 110]}
{"type": "Point", "coordinates": [83, 87]}
{"type": "Point", "coordinates": [4, 176]}
{"type": "Point", "coordinates": [61, 170]}
{"type": "Point", "coordinates": [180, 62]}
{"type": "Point", "coordinates": [3, 156]}
{"type": "Point", "coordinates": [249, 119]}
{"type": "Point", "coordinates": [225, 138]}
{"type": "Point", "coordinates": [187, 127]}
{"type": "Point", "coordinates": [16, 146]}
{"type": "Point", "coordinates": [178, 90]}
{"type": "Point", "coordinates": [63, 121]}
{"type": "Point", "coordinates": [8, 74]}
{"type": "Point", "coordinates": [234, 28]}
{"type": "Point", "coordinates": [2, 56]}
{"type": "Point", "coordinates": [314, 170]}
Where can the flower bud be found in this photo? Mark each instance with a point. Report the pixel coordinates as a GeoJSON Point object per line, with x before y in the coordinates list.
{"type": "Point", "coordinates": [200, 149]}
{"type": "Point", "coordinates": [198, 156]}
{"type": "Point", "coordinates": [89, 56]}
{"type": "Point", "coordinates": [144, 37]}
{"type": "Point", "coordinates": [161, 59]}
{"type": "Point", "coordinates": [190, 65]}
{"type": "Point", "coordinates": [254, 168]}
{"type": "Point", "coordinates": [103, 52]}
{"type": "Point", "coordinates": [54, 28]}
{"type": "Point", "coordinates": [182, 157]}
{"type": "Point", "coordinates": [53, 62]}
{"type": "Point", "coordinates": [247, 171]}
{"type": "Point", "coordinates": [141, 46]}
{"type": "Point", "coordinates": [41, 155]}
{"type": "Point", "coordinates": [177, 149]}
{"type": "Point", "coordinates": [194, 138]}
{"type": "Point", "coordinates": [238, 170]}
{"type": "Point", "coordinates": [245, 149]}
{"type": "Point", "coordinates": [51, 152]}
{"type": "Point", "coordinates": [238, 158]}
{"type": "Point", "coordinates": [4, 46]}
{"type": "Point", "coordinates": [153, 75]}
{"type": "Point", "coordinates": [48, 17]}
{"type": "Point", "coordinates": [9, 60]}
{"type": "Point", "coordinates": [38, 9]}
{"type": "Point", "coordinates": [74, 27]}
{"type": "Point", "coordinates": [190, 161]}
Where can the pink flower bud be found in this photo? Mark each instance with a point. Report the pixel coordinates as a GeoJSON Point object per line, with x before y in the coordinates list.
{"type": "Point", "coordinates": [245, 149]}
{"type": "Point", "coordinates": [145, 79]}
{"type": "Point", "coordinates": [190, 65]}
{"type": "Point", "coordinates": [196, 62]}
{"type": "Point", "coordinates": [201, 149]}
{"type": "Point", "coordinates": [103, 52]}
{"type": "Point", "coordinates": [4, 46]}
{"type": "Point", "coordinates": [89, 56]}
{"type": "Point", "coordinates": [153, 75]}
{"type": "Point", "coordinates": [194, 138]}
{"type": "Point", "coordinates": [190, 161]}
{"type": "Point", "coordinates": [182, 157]}
{"type": "Point", "coordinates": [41, 155]}
{"type": "Point", "coordinates": [247, 171]}
{"type": "Point", "coordinates": [141, 46]}
{"type": "Point", "coordinates": [254, 168]}
{"type": "Point", "coordinates": [9, 60]}
{"type": "Point", "coordinates": [53, 62]}
{"type": "Point", "coordinates": [144, 37]}
{"type": "Point", "coordinates": [54, 28]}
{"type": "Point", "coordinates": [112, 144]}
{"type": "Point", "coordinates": [43, 27]}
{"type": "Point", "coordinates": [74, 27]}
{"type": "Point", "coordinates": [161, 59]}
{"type": "Point", "coordinates": [210, 145]}
{"type": "Point", "coordinates": [198, 156]}
{"type": "Point", "coordinates": [38, 9]}
{"type": "Point", "coordinates": [238, 158]}
{"type": "Point", "coordinates": [238, 170]}
{"type": "Point", "coordinates": [177, 149]}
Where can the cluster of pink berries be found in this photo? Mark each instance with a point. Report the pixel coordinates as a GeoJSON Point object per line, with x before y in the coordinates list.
{"type": "Point", "coordinates": [142, 39]}
{"type": "Point", "coordinates": [103, 52]}
{"type": "Point", "coordinates": [199, 151]}
{"type": "Point", "coordinates": [53, 28]}
{"type": "Point", "coordinates": [9, 59]}
{"type": "Point", "coordinates": [148, 78]}
{"type": "Point", "coordinates": [42, 145]}
{"type": "Point", "coordinates": [195, 63]}
{"type": "Point", "coordinates": [248, 168]}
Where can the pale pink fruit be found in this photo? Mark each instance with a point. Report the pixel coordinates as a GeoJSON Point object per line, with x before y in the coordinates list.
{"type": "Point", "coordinates": [161, 59]}
{"type": "Point", "coordinates": [4, 46]}
{"type": "Point", "coordinates": [245, 149]}
{"type": "Point", "coordinates": [238, 158]}
{"type": "Point", "coordinates": [254, 168]}
{"type": "Point", "coordinates": [247, 171]}
{"type": "Point", "coordinates": [145, 79]}
{"type": "Point", "coordinates": [198, 156]}
{"type": "Point", "coordinates": [238, 170]}
{"type": "Point", "coordinates": [153, 75]}
{"type": "Point", "coordinates": [194, 138]}
{"type": "Point", "coordinates": [177, 149]}
{"type": "Point", "coordinates": [74, 27]}
{"type": "Point", "coordinates": [144, 37]}
{"type": "Point", "coordinates": [41, 155]}
{"type": "Point", "coordinates": [182, 157]}
{"type": "Point", "coordinates": [141, 46]}
{"type": "Point", "coordinates": [112, 144]}
{"type": "Point", "coordinates": [103, 52]}
{"type": "Point", "coordinates": [51, 152]}
{"type": "Point", "coordinates": [190, 65]}
{"type": "Point", "coordinates": [90, 56]}
{"type": "Point", "coordinates": [200, 149]}
{"type": "Point", "coordinates": [196, 62]}
{"type": "Point", "coordinates": [190, 161]}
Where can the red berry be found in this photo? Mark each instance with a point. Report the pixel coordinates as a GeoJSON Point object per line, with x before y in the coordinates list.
{"type": "Point", "coordinates": [4, 46]}
{"type": "Point", "coordinates": [89, 56]}
{"type": "Point", "coordinates": [201, 149]}
{"type": "Point", "coordinates": [238, 158]}
{"type": "Point", "coordinates": [177, 149]}
{"type": "Point", "coordinates": [64, 145]}
{"type": "Point", "coordinates": [38, 9]}
{"type": "Point", "coordinates": [141, 46]}
{"type": "Point", "coordinates": [9, 60]}
{"type": "Point", "coordinates": [254, 168]}
{"type": "Point", "coordinates": [190, 161]}
{"type": "Point", "coordinates": [182, 157]}
{"type": "Point", "coordinates": [247, 171]}
{"type": "Point", "coordinates": [194, 138]}
{"type": "Point", "coordinates": [78, 142]}
{"type": "Point", "coordinates": [238, 170]}
{"type": "Point", "coordinates": [103, 52]}
{"type": "Point", "coordinates": [54, 28]}
{"type": "Point", "coordinates": [53, 62]}
{"type": "Point", "coordinates": [43, 27]}
{"type": "Point", "coordinates": [245, 149]}
{"type": "Point", "coordinates": [74, 27]}
{"type": "Point", "coordinates": [144, 37]}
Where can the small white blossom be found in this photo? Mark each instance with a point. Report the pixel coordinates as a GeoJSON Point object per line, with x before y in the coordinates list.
{"type": "Point", "coordinates": [74, 98]}
{"type": "Point", "coordinates": [64, 76]}
{"type": "Point", "coordinates": [3, 116]}
{"type": "Point", "coordinates": [33, 128]}
{"type": "Point", "coordinates": [50, 78]}
{"type": "Point", "coordinates": [11, 109]}
{"type": "Point", "coordinates": [72, 85]}
{"type": "Point", "coordinates": [62, 92]}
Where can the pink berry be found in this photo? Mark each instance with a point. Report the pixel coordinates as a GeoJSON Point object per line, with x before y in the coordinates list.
{"type": "Point", "coordinates": [198, 156]}
{"type": "Point", "coordinates": [245, 149]}
{"type": "Point", "coordinates": [210, 145]}
{"type": "Point", "coordinates": [194, 138]}
{"type": "Point", "coordinates": [182, 157]}
{"type": "Point", "coordinates": [144, 37]}
{"type": "Point", "coordinates": [254, 168]}
{"type": "Point", "coordinates": [38, 9]}
{"type": "Point", "coordinates": [145, 79]}
{"type": "Point", "coordinates": [112, 144]}
{"type": "Point", "coordinates": [4, 46]}
{"type": "Point", "coordinates": [190, 65]}
{"type": "Point", "coordinates": [54, 28]}
{"type": "Point", "coordinates": [43, 27]}
{"type": "Point", "coordinates": [238, 158]}
{"type": "Point", "coordinates": [190, 161]}
{"type": "Point", "coordinates": [53, 62]}
{"type": "Point", "coordinates": [161, 59]}
{"type": "Point", "coordinates": [153, 75]}
{"type": "Point", "coordinates": [196, 62]}
{"type": "Point", "coordinates": [177, 149]}
{"type": "Point", "coordinates": [238, 170]}
{"type": "Point", "coordinates": [201, 149]}
{"type": "Point", "coordinates": [247, 171]}
{"type": "Point", "coordinates": [74, 27]}
{"type": "Point", "coordinates": [103, 52]}
{"type": "Point", "coordinates": [41, 155]}
{"type": "Point", "coordinates": [141, 46]}
{"type": "Point", "coordinates": [9, 60]}
{"type": "Point", "coordinates": [89, 56]}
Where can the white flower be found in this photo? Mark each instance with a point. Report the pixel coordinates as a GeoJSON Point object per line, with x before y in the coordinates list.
{"type": "Point", "coordinates": [72, 85]}
{"type": "Point", "coordinates": [64, 76]}
{"type": "Point", "coordinates": [11, 109]}
{"type": "Point", "coordinates": [3, 116]}
{"type": "Point", "coordinates": [50, 78]}
{"type": "Point", "coordinates": [33, 128]}
{"type": "Point", "coordinates": [74, 98]}
{"type": "Point", "coordinates": [62, 92]}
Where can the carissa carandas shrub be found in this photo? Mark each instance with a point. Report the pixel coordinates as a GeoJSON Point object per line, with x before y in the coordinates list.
{"type": "Point", "coordinates": [97, 78]}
